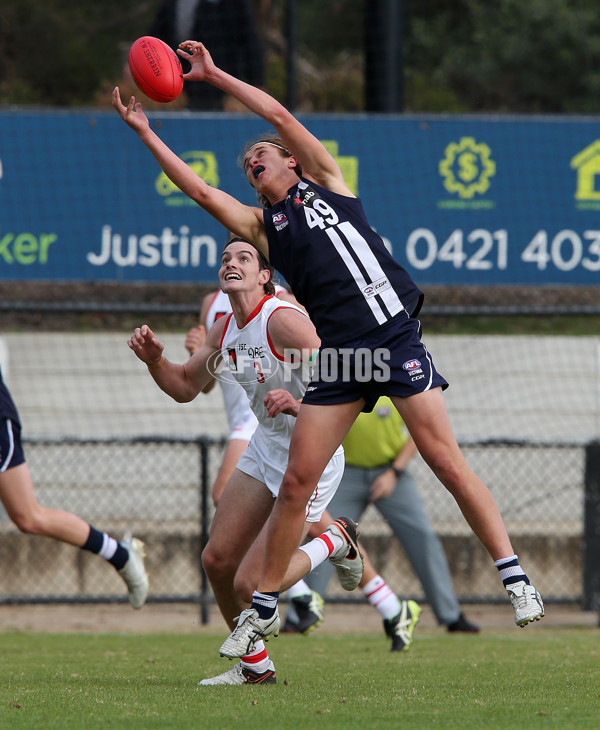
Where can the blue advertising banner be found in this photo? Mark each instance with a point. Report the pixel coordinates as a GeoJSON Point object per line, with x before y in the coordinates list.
{"type": "Point", "coordinates": [458, 200]}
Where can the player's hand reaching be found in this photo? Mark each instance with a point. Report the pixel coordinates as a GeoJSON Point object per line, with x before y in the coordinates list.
{"type": "Point", "coordinates": [202, 65]}
{"type": "Point", "coordinates": [195, 338]}
{"type": "Point", "coordinates": [146, 345]}
{"type": "Point", "coordinates": [281, 401]}
{"type": "Point", "coordinates": [132, 114]}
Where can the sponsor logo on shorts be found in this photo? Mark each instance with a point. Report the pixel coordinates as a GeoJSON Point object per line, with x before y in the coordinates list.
{"type": "Point", "coordinates": [280, 221]}
{"type": "Point", "coordinates": [411, 365]}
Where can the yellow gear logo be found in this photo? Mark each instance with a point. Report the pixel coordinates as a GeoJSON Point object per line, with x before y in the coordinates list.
{"type": "Point", "coordinates": [467, 167]}
{"type": "Point", "coordinates": [203, 163]}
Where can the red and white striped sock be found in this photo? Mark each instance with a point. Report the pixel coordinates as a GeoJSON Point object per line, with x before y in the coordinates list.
{"type": "Point", "coordinates": [320, 548]}
{"type": "Point", "coordinates": [382, 597]}
{"type": "Point", "coordinates": [257, 658]}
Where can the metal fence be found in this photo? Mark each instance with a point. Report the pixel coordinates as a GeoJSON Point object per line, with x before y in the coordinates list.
{"type": "Point", "coordinates": [159, 489]}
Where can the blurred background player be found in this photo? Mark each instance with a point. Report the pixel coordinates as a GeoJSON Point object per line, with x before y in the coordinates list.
{"type": "Point", "coordinates": [377, 451]}
{"type": "Point", "coordinates": [16, 494]}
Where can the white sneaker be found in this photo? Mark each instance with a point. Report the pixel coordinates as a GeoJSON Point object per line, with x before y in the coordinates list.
{"type": "Point", "coordinates": [250, 628]}
{"type": "Point", "coordinates": [347, 560]}
{"type": "Point", "coordinates": [134, 573]}
{"type": "Point", "coordinates": [526, 601]}
{"type": "Point", "coordinates": [242, 675]}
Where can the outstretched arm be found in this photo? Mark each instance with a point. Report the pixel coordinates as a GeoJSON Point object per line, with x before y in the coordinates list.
{"type": "Point", "coordinates": [243, 220]}
{"type": "Point", "coordinates": [181, 382]}
{"type": "Point", "coordinates": [317, 163]}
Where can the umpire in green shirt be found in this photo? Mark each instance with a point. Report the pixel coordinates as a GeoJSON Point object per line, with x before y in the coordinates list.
{"type": "Point", "coordinates": [378, 449]}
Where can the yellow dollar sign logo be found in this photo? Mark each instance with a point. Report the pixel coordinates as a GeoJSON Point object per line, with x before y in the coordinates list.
{"type": "Point", "coordinates": [467, 167]}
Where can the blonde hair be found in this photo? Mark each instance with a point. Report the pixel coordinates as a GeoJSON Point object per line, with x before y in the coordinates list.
{"type": "Point", "coordinates": [276, 141]}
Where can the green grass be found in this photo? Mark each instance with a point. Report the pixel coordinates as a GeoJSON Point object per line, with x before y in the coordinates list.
{"type": "Point", "coordinates": [537, 678]}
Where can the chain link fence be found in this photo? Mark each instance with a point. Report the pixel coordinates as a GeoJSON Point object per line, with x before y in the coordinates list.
{"type": "Point", "coordinates": [159, 490]}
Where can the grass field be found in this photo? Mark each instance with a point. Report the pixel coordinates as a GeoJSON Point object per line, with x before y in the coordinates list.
{"type": "Point", "coordinates": [536, 678]}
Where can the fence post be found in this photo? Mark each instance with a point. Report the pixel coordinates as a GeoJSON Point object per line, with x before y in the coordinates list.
{"type": "Point", "coordinates": [204, 591]}
{"type": "Point", "coordinates": [591, 528]}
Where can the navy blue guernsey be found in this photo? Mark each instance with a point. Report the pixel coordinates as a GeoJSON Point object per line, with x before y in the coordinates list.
{"type": "Point", "coordinates": [7, 407]}
{"type": "Point", "coordinates": [335, 263]}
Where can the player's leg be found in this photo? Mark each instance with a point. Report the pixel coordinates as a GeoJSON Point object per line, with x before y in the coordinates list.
{"type": "Point", "coordinates": [404, 512]}
{"type": "Point", "coordinates": [242, 511]}
{"type": "Point", "coordinates": [318, 432]}
{"type": "Point", "coordinates": [337, 543]}
{"type": "Point", "coordinates": [350, 500]}
{"type": "Point", "coordinates": [233, 450]}
{"type": "Point", "coordinates": [18, 498]}
{"type": "Point", "coordinates": [255, 666]}
{"type": "Point", "coordinates": [426, 418]}
{"type": "Point", "coordinates": [399, 616]}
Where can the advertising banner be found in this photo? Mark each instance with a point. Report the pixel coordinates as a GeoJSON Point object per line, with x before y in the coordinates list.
{"type": "Point", "coordinates": [458, 200]}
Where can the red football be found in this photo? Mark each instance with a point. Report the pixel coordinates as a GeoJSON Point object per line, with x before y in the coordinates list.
{"type": "Point", "coordinates": [156, 69]}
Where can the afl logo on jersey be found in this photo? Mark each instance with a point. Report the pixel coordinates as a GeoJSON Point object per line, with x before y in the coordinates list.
{"type": "Point", "coordinates": [280, 221]}
{"type": "Point", "coordinates": [411, 365]}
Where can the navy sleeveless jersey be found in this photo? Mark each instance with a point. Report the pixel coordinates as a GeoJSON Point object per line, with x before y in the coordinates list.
{"type": "Point", "coordinates": [335, 263]}
{"type": "Point", "coordinates": [7, 407]}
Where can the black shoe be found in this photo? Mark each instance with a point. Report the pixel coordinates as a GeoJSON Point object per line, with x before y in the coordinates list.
{"type": "Point", "coordinates": [267, 677]}
{"type": "Point", "coordinates": [289, 627]}
{"type": "Point", "coordinates": [400, 628]}
{"type": "Point", "coordinates": [463, 626]}
{"type": "Point", "coordinates": [309, 609]}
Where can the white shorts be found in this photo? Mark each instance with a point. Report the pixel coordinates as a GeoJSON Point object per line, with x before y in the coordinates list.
{"type": "Point", "coordinates": [268, 466]}
{"type": "Point", "coordinates": [244, 428]}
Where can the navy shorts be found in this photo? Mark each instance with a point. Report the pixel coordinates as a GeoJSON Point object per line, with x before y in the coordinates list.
{"type": "Point", "coordinates": [390, 360]}
{"type": "Point", "coordinates": [11, 450]}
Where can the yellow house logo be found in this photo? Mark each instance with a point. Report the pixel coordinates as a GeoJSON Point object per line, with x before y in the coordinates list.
{"type": "Point", "coordinates": [204, 164]}
{"type": "Point", "coordinates": [587, 164]}
{"type": "Point", "coordinates": [348, 165]}
{"type": "Point", "coordinates": [466, 168]}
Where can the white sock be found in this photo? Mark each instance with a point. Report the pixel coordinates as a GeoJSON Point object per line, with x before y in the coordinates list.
{"type": "Point", "coordinates": [381, 596]}
{"type": "Point", "coordinates": [298, 589]}
{"type": "Point", "coordinates": [319, 549]}
{"type": "Point", "coordinates": [109, 547]}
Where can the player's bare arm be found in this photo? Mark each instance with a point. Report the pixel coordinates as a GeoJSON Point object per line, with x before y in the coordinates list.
{"type": "Point", "coordinates": [181, 382]}
{"type": "Point", "coordinates": [244, 220]}
{"type": "Point", "coordinates": [317, 163]}
{"type": "Point", "coordinates": [292, 331]}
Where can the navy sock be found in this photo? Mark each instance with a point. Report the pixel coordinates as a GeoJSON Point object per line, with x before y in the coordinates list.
{"type": "Point", "coordinates": [265, 603]}
{"type": "Point", "coordinates": [102, 544]}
